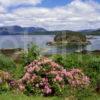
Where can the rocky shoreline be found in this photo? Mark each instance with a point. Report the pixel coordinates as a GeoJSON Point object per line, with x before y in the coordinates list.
{"type": "Point", "coordinates": [13, 53]}
{"type": "Point", "coordinates": [67, 43]}
{"type": "Point", "coordinates": [10, 51]}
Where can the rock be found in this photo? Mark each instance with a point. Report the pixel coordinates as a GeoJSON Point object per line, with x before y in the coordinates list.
{"type": "Point", "coordinates": [49, 43]}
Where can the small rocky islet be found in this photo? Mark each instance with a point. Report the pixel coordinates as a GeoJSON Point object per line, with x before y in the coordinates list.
{"type": "Point", "coordinates": [69, 38]}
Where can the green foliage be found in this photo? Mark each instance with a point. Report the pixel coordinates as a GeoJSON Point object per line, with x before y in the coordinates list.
{"type": "Point", "coordinates": [33, 91]}
{"type": "Point", "coordinates": [90, 63]}
{"type": "Point", "coordinates": [4, 87]}
{"type": "Point", "coordinates": [83, 93]}
{"type": "Point", "coordinates": [7, 64]}
{"type": "Point", "coordinates": [18, 73]}
{"type": "Point", "coordinates": [68, 61]}
{"type": "Point", "coordinates": [32, 54]}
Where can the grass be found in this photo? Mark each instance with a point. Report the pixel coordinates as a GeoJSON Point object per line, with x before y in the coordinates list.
{"type": "Point", "coordinates": [7, 64]}
{"type": "Point", "coordinates": [20, 96]}
{"type": "Point", "coordinates": [10, 96]}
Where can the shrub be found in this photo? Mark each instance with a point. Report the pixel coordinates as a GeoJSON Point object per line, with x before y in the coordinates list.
{"type": "Point", "coordinates": [30, 55]}
{"type": "Point", "coordinates": [4, 81]}
{"type": "Point", "coordinates": [46, 77]}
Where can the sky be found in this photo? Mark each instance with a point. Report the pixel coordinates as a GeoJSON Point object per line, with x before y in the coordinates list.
{"type": "Point", "coordinates": [51, 14]}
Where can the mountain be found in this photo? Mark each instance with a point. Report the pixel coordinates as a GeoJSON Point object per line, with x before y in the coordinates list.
{"type": "Point", "coordinates": [18, 30]}
{"type": "Point", "coordinates": [91, 32]}
{"type": "Point", "coordinates": [96, 32]}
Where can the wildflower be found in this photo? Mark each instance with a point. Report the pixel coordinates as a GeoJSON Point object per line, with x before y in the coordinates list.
{"type": "Point", "coordinates": [47, 90]}
{"type": "Point", "coordinates": [30, 69]}
{"type": "Point", "coordinates": [86, 80]}
{"type": "Point", "coordinates": [36, 68]}
{"type": "Point", "coordinates": [41, 84]}
{"type": "Point", "coordinates": [26, 76]}
{"type": "Point", "coordinates": [58, 78]}
{"type": "Point", "coordinates": [54, 72]}
{"type": "Point", "coordinates": [53, 64]}
{"type": "Point", "coordinates": [37, 85]}
{"type": "Point", "coordinates": [21, 87]}
{"type": "Point", "coordinates": [69, 74]}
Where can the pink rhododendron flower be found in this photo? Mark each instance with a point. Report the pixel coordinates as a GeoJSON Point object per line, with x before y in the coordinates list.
{"type": "Point", "coordinates": [47, 90]}
{"type": "Point", "coordinates": [58, 78]}
{"type": "Point", "coordinates": [36, 68]}
{"type": "Point", "coordinates": [86, 80]}
{"type": "Point", "coordinates": [26, 76]}
{"type": "Point", "coordinates": [30, 69]}
{"type": "Point", "coordinates": [53, 64]}
{"type": "Point", "coordinates": [21, 87]}
{"type": "Point", "coordinates": [54, 72]}
{"type": "Point", "coordinates": [69, 74]}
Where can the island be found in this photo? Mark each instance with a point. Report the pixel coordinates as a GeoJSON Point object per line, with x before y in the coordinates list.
{"type": "Point", "coordinates": [69, 38]}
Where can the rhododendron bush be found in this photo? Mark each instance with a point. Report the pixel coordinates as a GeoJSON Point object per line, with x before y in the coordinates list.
{"type": "Point", "coordinates": [46, 77]}
{"type": "Point", "coordinates": [5, 78]}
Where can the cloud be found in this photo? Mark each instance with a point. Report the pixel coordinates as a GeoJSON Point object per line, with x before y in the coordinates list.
{"type": "Point", "coordinates": [2, 9]}
{"type": "Point", "coordinates": [76, 15]}
{"type": "Point", "coordinates": [8, 3]}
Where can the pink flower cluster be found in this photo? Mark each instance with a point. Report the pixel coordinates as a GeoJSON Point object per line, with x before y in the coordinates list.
{"type": "Point", "coordinates": [43, 73]}
{"type": "Point", "coordinates": [77, 78]}
{"type": "Point", "coordinates": [47, 89]}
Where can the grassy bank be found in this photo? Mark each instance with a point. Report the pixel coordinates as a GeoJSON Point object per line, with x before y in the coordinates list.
{"type": "Point", "coordinates": [10, 96]}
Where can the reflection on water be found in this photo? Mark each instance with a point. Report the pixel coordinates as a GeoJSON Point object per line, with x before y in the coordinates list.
{"type": "Point", "coordinates": [22, 41]}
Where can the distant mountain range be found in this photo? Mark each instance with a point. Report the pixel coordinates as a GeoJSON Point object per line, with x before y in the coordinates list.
{"type": "Point", "coordinates": [18, 30]}
{"type": "Point", "coordinates": [91, 32]}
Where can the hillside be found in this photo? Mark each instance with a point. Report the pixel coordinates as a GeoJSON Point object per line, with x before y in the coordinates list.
{"type": "Point", "coordinates": [18, 30]}
{"type": "Point", "coordinates": [96, 32]}
{"type": "Point", "coordinates": [91, 32]}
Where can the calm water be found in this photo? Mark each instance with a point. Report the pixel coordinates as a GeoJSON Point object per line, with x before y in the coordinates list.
{"type": "Point", "coordinates": [21, 41]}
